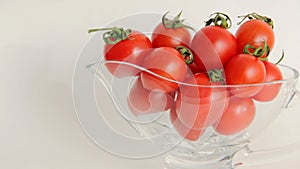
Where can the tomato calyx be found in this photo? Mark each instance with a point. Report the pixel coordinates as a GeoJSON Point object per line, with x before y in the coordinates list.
{"type": "Point", "coordinates": [262, 51]}
{"type": "Point", "coordinates": [254, 15]}
{"type": "Point", "coordinates": [216, 75]}
{"type": "Point", "coordinates": [175, 22]}
{"type": "Point", "coordinates": [114, 35]}
{"type": "Point", "coordinates": [186, 53]}
{"type": "Point", "coordinates": [219, 19]}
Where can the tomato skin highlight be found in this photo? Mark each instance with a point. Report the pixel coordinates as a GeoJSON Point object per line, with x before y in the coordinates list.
{"type": "Point", "coordinates": [245, 69]}
{"type": "Point", "coordinates": [169, 37]}
{"type": "Point", "coordinates": [185, 131]}
{"type": "Point", "coordinates": [166, 62]}
{"type": "Point", "coordinates": [134, 49]}
{"type": "Point", "coordinates": [143, 101]}
{"type": "Point", "coordinates": [238, 116]}
{"type": "Point", "coordinates": [213, 47]}
{"type": "Point", "coordinates": [270, 91]}
{"type": "Point", "coordinates": [254, 30]}
{"type": "Point", "coordinates": [200, 106]}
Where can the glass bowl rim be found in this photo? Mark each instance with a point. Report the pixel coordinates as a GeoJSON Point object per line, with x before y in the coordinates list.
{"type": "Point", "coordinates": [293, 77]}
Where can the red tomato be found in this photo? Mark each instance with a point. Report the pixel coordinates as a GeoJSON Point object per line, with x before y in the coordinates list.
{"type": "Point", "coordinates": [168, 64]}
{"type": "Point", "coordinates": [270, 91]}
{"type": "Point", "coordinates": [132, 50]}
{"type": "Point", "coordinates": [254, 30]}
{"type": "Point", "coordinates": [170, 37]}
{"type": "Point", "coordinates": [182, 129]}
{"type": "Point", "coordinates": [171, 33]}
{"type": "Point", "coordinates": [213, 47]}
{"type": "Point", "coordinates": [202, 105]}
{"type": "Point", "coordinates": [142, 101]}
{"type": "Point", "coordinates": [238, 116]}
{"type": "Point", "coordinates": [246, 70]}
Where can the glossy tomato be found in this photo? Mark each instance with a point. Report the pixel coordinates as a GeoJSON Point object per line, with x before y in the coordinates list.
{"type": "Point", "coordinates": [201, 103]}
{"type": "Point", "coordinates": [129, 46]}
{"type": "Point", "coordinates": [185, 131]}
{"type": "Point", "coordinates": [171, 33]}
{"type": "Point", "coordinates": [213, 47]}
{"type": "Point", "coordinates": [271, 90]}
{"type": "Point", "coordinates": [238, 116]}
{"type": "Point", "coordinates": [245, 71]}
{"type": "Point", "coordinates": [171, 37]}
{"type": "Point", "coordinates": [254, 31]}
{"type": "Point", "coordinates": [163, 64]}
{"type": "Point", "coordinates": [143, 101]}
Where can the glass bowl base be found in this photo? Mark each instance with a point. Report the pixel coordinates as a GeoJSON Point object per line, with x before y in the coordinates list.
{"type": "Point", "coordinates": [175, 163]}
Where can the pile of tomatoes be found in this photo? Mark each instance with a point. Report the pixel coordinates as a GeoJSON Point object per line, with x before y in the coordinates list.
{"type": "Point", "coordinates": [202, 79]}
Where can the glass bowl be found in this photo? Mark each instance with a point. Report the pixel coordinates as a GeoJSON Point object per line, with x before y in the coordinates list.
{"type": "Point", "coordinates": [182, 150]}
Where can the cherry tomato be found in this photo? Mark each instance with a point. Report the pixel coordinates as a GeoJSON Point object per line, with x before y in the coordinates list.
{"type": "Point", "coordinates": [167, 64]}
{"type": "Point", "coordinates": [270, 91]}
{"type": "Point", "coordinates": [142, 101]}
{"type": "Point", "coordinates": [213, 47]}
{"type": "Point", "coordinates": [182, 129]}
{"type": "Point", "coordinates": [163, 37]}
{"type": "Point", "coordinates": [254, 30]}
{"type": "Point", "coordinates": [245, 70]}
{"type": "Point", "coordinates": [171, 33]}
{"type": "Point", "coordinates": [200, 104]}
{"type": "Point", "coordinates": [126, 46]}
{"type": "Point", "coordinates": [238, 116]}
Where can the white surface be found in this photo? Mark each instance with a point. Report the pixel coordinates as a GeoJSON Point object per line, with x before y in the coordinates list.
{"type": "Point", "coordinates": [39, 44]}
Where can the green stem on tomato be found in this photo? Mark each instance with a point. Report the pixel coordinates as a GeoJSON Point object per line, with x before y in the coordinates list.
{"type": "Point", "coordinates": [114, 35]}
{"type": "Point", "coordinates": [216, 75]}
{"type": "Point", "coordinates": [220, 19]}
{"type": "Point", "coordinates": [258, 52]}
{"type": "Point", "coordinates": [186, 53]}
{"type": "Point", "coordinates": [175, 22]}
{"type": "Point", "coordinates": [254, 15]}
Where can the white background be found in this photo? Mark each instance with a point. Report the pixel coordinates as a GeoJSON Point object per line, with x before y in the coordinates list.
{"type": "Point", "coordinates": [39, 44]}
